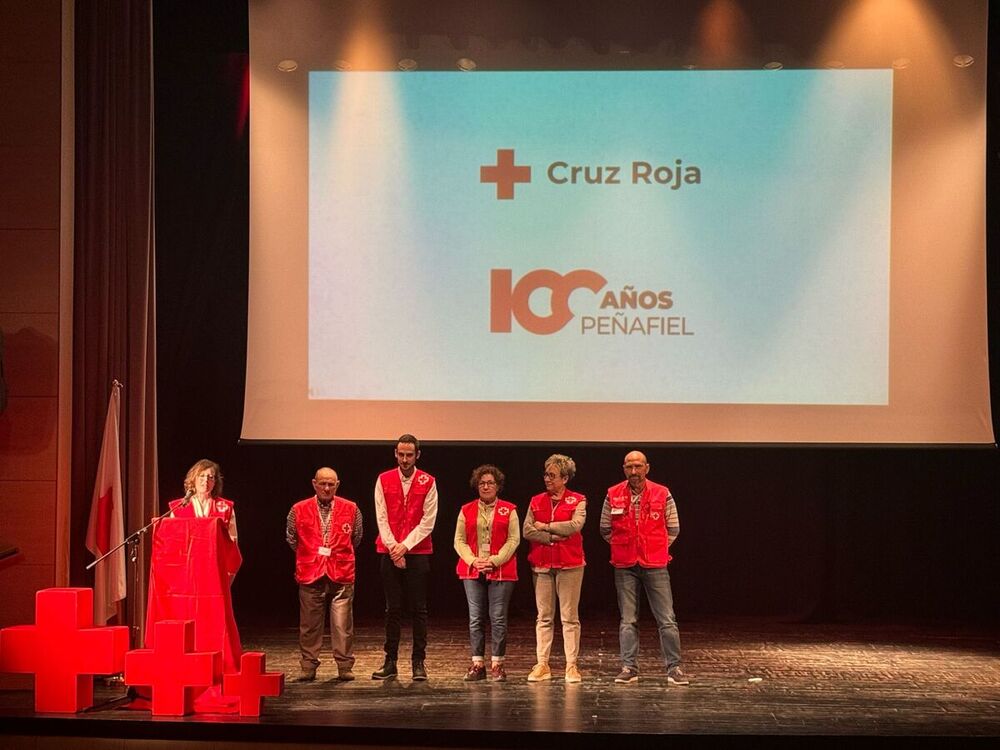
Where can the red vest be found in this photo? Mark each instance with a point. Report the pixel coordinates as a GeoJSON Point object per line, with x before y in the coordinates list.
{"type": "Point", "coordinates": [645, 542]}
{"type": "Point", "coordinates": [498, 537]}
{"type": "Point", "coordinates": [564, 554]}
{"type": "Point", "coordinates": [220, 508]}
{"type": "Point", "coordinates": [309, 564]}
{"type": "Point", "coordinates": [405, 512]}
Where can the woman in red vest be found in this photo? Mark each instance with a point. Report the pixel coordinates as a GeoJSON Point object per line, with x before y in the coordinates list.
{"type": "Point", "coordinates": [552, 526]}
{"type": "Point", "coordinates": [486, 536]}
{"type": "Point", "coordinates": [203, 496]}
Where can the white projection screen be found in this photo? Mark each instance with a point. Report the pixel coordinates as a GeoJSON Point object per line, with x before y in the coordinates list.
{"type": "Point", "coordinates": [570, 244]}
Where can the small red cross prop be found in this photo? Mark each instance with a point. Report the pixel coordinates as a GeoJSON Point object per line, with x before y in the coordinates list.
{"type": "Point", "coordinates": [63, 649]}
{"type": "Point", "coordinates": [173, 669]}
{"type": "Point", "coordinates": [252, 683]}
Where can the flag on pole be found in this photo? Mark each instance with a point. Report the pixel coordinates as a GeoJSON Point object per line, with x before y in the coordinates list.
{"type": "Point", "coordinates": [106, 527]}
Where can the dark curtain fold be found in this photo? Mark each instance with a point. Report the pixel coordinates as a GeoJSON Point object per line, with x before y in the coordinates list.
{"type": "Point", "coordinates": [114, 319]}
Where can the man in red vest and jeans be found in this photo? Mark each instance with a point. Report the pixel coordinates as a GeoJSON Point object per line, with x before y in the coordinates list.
{"type": "Point", "coordinates": [639, 521]}
{"type": "Point", "coordinates": [406, 503]}
{"type": "Point", "coordinates": [324, 530]}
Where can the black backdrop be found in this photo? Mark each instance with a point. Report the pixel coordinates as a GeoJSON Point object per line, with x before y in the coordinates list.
{"type": "Point", "coordinates": [803, 533]}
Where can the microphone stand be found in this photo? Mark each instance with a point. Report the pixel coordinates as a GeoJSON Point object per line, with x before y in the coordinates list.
{"type": "Point", "coordinates": [132, 540]}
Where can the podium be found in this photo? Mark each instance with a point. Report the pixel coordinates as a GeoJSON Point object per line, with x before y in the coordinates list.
{"type": "Point", "coordinates": [193, 561]}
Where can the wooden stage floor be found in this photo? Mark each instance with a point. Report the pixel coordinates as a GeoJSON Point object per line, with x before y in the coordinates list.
{"type": "Point", "coordinates": [749, 678]}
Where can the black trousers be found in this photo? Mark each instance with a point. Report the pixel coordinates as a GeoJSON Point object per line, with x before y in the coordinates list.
{"type": "Point", "coordinates": [409, 583]}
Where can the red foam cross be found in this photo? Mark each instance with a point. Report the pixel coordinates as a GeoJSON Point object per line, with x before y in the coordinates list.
{"type": "Point", "coordinates": [63, 649]}
{"type": "Point", "coordinates": [173, 669]}
{"type": "Point", "coordinates": [252, 683]}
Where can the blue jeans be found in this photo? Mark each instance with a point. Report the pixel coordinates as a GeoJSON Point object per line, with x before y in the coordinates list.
{"type": "Point", "coordinates": [656, 582]}
{"type": "Point", "coordinates": [479, 592]}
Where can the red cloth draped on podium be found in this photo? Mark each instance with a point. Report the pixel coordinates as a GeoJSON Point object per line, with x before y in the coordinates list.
{"type": "Point", "coordinates": [192, 564]}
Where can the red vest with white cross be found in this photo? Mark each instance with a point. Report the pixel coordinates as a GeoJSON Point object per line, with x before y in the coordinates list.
{"type": "Point", "coordinates": [567, 553]}
{"type": "Point", "coordinates": [310, 565]}
{"type": "Point", "coordinates": [220, 508]}
{"type": "Point", "coordinates": [405, 511]}
{"type": "Point", "coordinates": [643, 541]}
{"type": "Point", "coordinates": [498, 537]}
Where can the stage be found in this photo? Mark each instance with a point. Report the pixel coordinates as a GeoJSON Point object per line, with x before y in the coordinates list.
{"type": "Point", "coordinates": [749, 678]}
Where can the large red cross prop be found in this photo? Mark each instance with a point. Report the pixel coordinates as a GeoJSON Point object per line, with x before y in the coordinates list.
{"type": "Point", "coordinates": [173, 669]}
{"type": "Point", "coordinates": [252, 683]}
{"type": "Point", "coordinates": [63, 649]}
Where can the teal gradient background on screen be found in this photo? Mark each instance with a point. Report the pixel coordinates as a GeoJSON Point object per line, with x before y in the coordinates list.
{"type": "Point", "coordinates": [776, 261]}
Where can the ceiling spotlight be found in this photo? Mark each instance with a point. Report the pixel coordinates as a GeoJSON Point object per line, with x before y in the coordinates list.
{"type": "Point", "coordinates": [407, 64]}
{"type": "Point", "coordinates": [963, 61]}
{"type": "Point", "coordinates": [342, 65]}
{"type": "Point", "coordinates": [835, 64]}
{"type": "Point", "coordinates": [287, 66]}
{"type": "Point", "coordinates": [466, 63]}
{"type": "Point", "coordinates": [901, 63]}
{"type": "Point", "coordinates": [773, 65]}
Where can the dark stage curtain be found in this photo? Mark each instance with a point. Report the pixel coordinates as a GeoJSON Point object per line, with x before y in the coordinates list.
{"type": "Point", "coordinates": [113, 307]}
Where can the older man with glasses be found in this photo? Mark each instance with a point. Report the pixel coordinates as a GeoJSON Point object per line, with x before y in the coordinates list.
{"type": "Point", "coordinates": [324, 530]}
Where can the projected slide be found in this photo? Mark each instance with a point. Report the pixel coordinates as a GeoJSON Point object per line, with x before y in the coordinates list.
{"type": "Point", "coordinates": [600, 237]}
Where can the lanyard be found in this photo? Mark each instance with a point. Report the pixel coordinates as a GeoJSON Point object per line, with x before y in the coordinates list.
{"type": "Point", "coordinates": [324, 525]}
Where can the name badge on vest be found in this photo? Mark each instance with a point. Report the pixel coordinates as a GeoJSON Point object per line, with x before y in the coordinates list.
{"type": "Point", "coordinates": [617, 511]}
{"type": "Point", "coordinates": [324, 551]}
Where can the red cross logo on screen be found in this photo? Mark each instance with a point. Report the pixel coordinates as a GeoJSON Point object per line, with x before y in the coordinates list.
{"type": "Point", "coordinates": [505, 174]}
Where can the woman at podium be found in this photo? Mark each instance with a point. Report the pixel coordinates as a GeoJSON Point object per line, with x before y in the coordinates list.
{"type": "Point", "coordinates": [203, 496]}
{"type": "Point", "coordinates": [193, 561]}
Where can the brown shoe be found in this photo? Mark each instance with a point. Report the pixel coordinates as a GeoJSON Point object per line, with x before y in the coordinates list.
{"type": "Point", "coordinates": [498, 673]}
{"type": "Point", "coordinates": [476, 672]}
{"type": "Point", "coordinates": [345, 675]}
{"type": "Point", "coordinates": [540, 672]}
{"type": "Point", "coordinates": [676, 676]}
{"type": "Point", "coordinates": [573, 674]}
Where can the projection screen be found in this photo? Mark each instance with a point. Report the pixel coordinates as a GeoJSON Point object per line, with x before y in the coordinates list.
{"type": "Point", "coordinates": [545, 250]}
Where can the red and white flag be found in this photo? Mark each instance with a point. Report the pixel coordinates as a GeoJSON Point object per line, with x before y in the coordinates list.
{"type": "Point", "coordinates": [106, 527]}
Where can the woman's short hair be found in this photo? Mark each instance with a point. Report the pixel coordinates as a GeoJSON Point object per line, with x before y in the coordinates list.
{"type": "Point", "coordinates": [480, 471]}
{"type": "Point", "coordinates": [199, 467]}
{"type": "Point", "coordinates": [565, 464]}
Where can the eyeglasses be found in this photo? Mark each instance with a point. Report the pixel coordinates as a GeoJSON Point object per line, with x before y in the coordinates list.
{"type": "Point", "coordinates": [550, 475]}
{"type": "Point", "coordinates": [325, 484]}
{"type": "Point", "coordinates": [487, 483]}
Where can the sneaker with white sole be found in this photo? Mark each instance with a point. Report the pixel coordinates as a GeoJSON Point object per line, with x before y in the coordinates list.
{"type": "Point", "coordinates": [676, 676]}
{"type": "Point", "coordinates": [627, 675]}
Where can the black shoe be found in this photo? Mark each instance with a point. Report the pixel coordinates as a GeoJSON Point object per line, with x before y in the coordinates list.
{"type": "Point", "coordinates": [419, 673]}
{"type": "Point", "coordinates": [387, 672]}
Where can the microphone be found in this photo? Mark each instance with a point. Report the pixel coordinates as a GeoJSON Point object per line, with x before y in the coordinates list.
{"type": "Point", "coordinates": [187, 497]}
